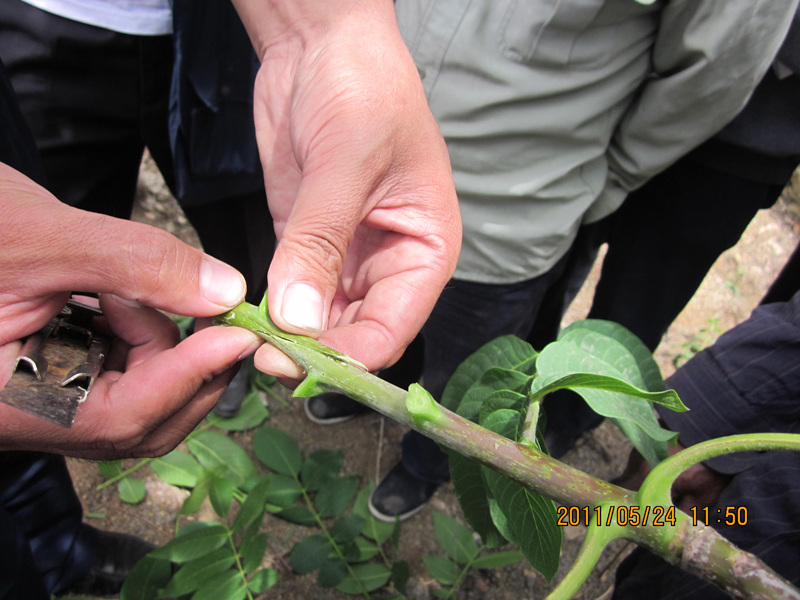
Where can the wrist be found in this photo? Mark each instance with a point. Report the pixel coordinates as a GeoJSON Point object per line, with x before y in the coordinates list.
{"type": "Point", "coordinates": [299, 23]}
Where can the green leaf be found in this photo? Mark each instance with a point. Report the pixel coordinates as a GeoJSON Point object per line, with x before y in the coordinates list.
{"type": "Point", "coordinates": [507, 352]}
{"type": "Point", "coordinates": [444, 570]}
{"type": "Point", "coordinates": [337, 494]}
{"type": "Point", "coordinates": [376, 530]}
{"type": "Point", "coordinates": [277, 450]}
{"type": "Point", "coordinates": [369, 575]}
{"type": "Point", "coordinates": [493, 381]}
{"type": "Point", "coordinates": [252, 551]}
{"type": "Point", "coordinates": [192, 575]}
{"type": "Point", "coordinates": [251, 414]}
{"type": "Point", "coordinates": [366, 550]}
{"type": "Point", "coordinates": [497, 560]}
{"type": "Point", "coordinates": [473, 496]}
{"type": "Point", "coordinates": [283, 490]}
{"type": "Point", "coordinates": [502, 399]}
{"type": "Point", "coordinates": [109, 468]}
{"type": "Point", "coordinates": [504, 421]}
{"type": "Point", "coordinates": [310, 553]}
{"type": "Point", "coordinates": [194, 501]}
{"type": "Point", "coordinates": [228, 585]}
{"type": "Point", "coordinates": [455, 539]}
{"type": "Point", "coordinates": [177, 468]}
{"type": "Point", "coordinates": [320, 467]}
{"type": "Point", "coordinates": [332, 572]}
{"type": "Point", "coordinates": [197, 542]}
{"type": "Point", "coordinates": [581, 332]}
{"type": "Point", "coordinates": [263, 580]}
{"type": "Point", "coordinates": [253, 508]}
{"type": "Point", "coordinates": [603, 356]}
{"type": "Point", "coordinates": [347, 528]}
{"type": "Point", "coordinates": [217, 452]}
{"type": "Point", "coordinates": [221, 494]}
{"type": "Point", "coordinates": [131, 490]}
{"type": "Point", "coordinates": [400, 575]}
{"type": "Point", "coordinates": [145, 579]}
{"type": "Point", "coordinates": [531, 522]}
{"type": "Point", "coordinates": [298, 514]}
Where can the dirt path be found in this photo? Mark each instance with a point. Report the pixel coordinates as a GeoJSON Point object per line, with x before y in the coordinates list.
{"type": "Point", "coordinates": [371, 443]}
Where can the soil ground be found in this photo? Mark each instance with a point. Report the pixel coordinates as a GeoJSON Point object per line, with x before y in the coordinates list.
{"type": "Point", "coordinates": [371, 443]}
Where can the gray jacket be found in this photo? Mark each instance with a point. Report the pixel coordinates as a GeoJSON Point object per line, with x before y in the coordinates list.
{"type": "Point", "coordinates": [554, 109]}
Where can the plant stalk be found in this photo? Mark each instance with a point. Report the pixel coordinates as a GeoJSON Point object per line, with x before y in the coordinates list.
{"type": "Point", "coordinates": [697, 549]}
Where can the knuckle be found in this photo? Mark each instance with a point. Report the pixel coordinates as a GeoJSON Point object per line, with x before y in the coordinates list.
{"type": "Point", "coordinates": [156, 262]}
{"type": "Point", "coordinates": [325, 247]}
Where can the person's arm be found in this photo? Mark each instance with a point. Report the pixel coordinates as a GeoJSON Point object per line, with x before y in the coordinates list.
{"type": "Point", "coordinates": [357, 176]}
{"type": "Point", "coordinates": [153, 392]}
{"type": "Point", "coordinates": [708, 57]}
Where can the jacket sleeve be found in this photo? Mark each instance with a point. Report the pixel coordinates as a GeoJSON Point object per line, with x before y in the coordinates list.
{"type": "Point", "coordinates": [789, 54]}
{"type": "Point", "coordinates": [708, 57]}
{"type": "Point", "coordinates": [748, 381]}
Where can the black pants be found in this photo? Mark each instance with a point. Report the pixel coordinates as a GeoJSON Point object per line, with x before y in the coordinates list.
{"type": "Point", "coordinates": [662, 243]}
{"type": "Point", "coordinates": [94, 100]}
{"type": "Point", "coordinates": [45, 547]}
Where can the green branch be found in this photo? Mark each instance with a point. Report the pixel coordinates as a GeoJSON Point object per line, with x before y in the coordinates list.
{"type": "Point", "coordinates": [698, 549]}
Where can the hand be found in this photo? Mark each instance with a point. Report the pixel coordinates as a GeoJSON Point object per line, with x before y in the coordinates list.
{"type": "Point", "coordinates": [156, 392]}
{"type": "Point", "coordinates": [697, 486]}
{"type": "Point", "coordinates": [357, 175]}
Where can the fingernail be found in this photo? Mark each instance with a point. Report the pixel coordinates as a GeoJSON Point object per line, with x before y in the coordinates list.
{"type": "Point", "coordinates": [221, 284]}
{"type": "Point", "coordinates": [255, 343]}
{"type": "Point", "coordinates": [126, 302]}
{"type": "Point", "coordinates": [302, 307]}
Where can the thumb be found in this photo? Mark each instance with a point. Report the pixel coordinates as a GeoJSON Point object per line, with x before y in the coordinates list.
{"type": "Point", "coordinates": [50, 247]}
{"type": "Point", "coordinates": [304, 273]}
{"type": "Point", "coordinates": [148, 265]}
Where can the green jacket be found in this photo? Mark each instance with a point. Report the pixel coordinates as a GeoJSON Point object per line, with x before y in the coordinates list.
{"type": "Point", "coordinates": [553, 110]}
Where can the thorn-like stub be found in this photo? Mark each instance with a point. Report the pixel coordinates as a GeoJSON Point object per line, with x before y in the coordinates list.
{"type": "Point", "coordinates": [421, 405]}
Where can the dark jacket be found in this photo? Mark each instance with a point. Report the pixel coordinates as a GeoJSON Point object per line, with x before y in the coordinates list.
{"type": "Point", "coordinates": [211, 103]}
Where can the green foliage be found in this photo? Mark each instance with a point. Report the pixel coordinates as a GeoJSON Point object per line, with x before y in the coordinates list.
{"type": "Point", "coordinates": [210, 566]}
{"type": "Point", "coordinates": [314, 493]}
{"type": "Point", "coordinates": [614, 372]}
{"type": "Point", "coordinates": [501, 386]}
{"type": "Point", "coordinates": [493, 505]}
{"type": "Point", "coordinates": [178, 468]}
{"type": "Point", "coordinates": [463, 553]}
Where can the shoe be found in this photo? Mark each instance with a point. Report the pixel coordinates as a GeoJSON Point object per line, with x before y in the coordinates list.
{"type": "Point", "coordinates": [330, 409]}
{"type": "Point", "coordinates": [116, 555]}
{"type": "Point", "coordinates": [400, 495]}
{"type": "Point", "coordinates": [232, 398]}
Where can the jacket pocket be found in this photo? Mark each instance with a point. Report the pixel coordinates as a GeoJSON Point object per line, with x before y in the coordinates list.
{"type": "Point", "coordinates": [545, 31]}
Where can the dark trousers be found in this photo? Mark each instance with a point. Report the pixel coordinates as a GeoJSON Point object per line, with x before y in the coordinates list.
{"type": "Point", "coordinates": [662, 243]}
{"type": "Point", "coordinates": [45, 548]}
{"type": "Point", "coordinates": [94, 100]}
{"type": "Point", "coordinates": [666, 237]}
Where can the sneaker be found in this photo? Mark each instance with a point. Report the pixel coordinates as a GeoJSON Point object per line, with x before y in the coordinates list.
{"type": "Point", "coordinates": [115, 555]}
{"type": "Point", "coordinates": [329, 409]}
{"type": "Point", "coordinates": [400, 495]}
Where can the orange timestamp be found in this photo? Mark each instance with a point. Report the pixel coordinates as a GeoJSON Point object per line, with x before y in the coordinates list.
{"type": "Point", "coordinates": [728, 515]}
{"type": "Point", "coordinates": [657, 516]}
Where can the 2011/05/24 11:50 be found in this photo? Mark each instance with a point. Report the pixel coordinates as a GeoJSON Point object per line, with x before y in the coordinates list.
{"type": "Point", "coordinates": [657, 516]}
